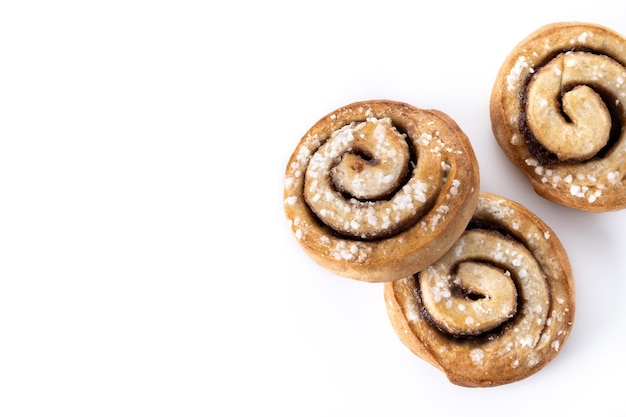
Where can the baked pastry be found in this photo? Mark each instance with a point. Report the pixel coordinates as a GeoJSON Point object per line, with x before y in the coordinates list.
{"type": "Point", "coordinates": [558, 112]}
{"type": "Point", "coordinates": [497, 307]}
{"type": "Point", "coordinates": [377, 190]}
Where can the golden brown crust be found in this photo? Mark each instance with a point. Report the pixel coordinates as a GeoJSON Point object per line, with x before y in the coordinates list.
{"type": "Point", "coordinates": [361, 218]}
{"type": "Point", "coordinates": [558, 112]}
{"type": "Point", "coordinates": [507, 251]}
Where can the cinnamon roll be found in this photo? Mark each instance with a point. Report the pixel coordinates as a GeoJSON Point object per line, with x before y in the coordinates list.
{"type": "Point", "coordinates": [494, 309]}
{"type": "Point", "coordinates": [558, 112]}
{"type": "Point", "coordinates": [377, 190]}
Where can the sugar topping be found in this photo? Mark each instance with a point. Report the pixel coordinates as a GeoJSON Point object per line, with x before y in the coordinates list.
{"type": "Point", "coordinates": [361, 162]}
{"type": "Point", "coordinates": [497, 208]}
{"type": "Point", "coordinates": [590, 186]}
{"type": "Point", "coordinates": [515, 75]}
{"type": "Point", "coordinates": [477, 355]}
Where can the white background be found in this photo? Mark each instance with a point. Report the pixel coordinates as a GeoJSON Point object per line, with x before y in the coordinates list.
{"type": "Point", "coordinates": [146, 267]}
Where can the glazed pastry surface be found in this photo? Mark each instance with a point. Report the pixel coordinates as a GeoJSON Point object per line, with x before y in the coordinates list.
{"type": "Point", "coordinates": [558, 113]}
{"type": "Point", "coordinates": [497, 307]}
{"type": "Point", "coordinates": [377, 190]}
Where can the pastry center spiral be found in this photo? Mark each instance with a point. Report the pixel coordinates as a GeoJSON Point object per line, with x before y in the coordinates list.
{"type": "Point", "coordinates": [363, 183]}
{"type": "Point", "coordinates": [575, 123]}
{"type": "Point", "coordinates": [376, 160]}
{"type": "Point", "coordinates": [474, 287]}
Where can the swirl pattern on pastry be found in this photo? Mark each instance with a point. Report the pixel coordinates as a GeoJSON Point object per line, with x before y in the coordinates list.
{"type": "Point", "coordinates": [376, 190]}
{"type": "Point", "coordinates": [558, 112]}
{"type": "Point", "coordinates": [497, 307]}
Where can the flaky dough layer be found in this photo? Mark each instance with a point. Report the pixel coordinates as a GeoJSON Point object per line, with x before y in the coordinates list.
{"type": "Point", "coordinates": [558, 113]}
{"type": "Point", "coordinates": [377, 190]}
{"type": "Point", "coordinates": [497, 307]}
